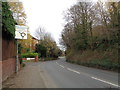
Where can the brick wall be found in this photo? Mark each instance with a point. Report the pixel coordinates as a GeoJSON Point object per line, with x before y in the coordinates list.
{"type": "Point", "coordinates": [0, 74]}
{"type": "Point", "coordinates": [8, 68]}
{"type": "Point", "coordinates": [8, 58]}
{"type": "Point", "coordinates": [8, 49]}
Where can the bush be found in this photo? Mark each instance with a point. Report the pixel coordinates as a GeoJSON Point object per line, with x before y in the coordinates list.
{"type": "Point", "coordinates": [39, 55]}
{"type": "Point", "coordinates": [27, 50]}
{"type": "Point", "coordinates": [41, 49]}
{"type": "Point", "coordinates": [21, 61]}
{"type": "Point", "coordinates": [29, 55]}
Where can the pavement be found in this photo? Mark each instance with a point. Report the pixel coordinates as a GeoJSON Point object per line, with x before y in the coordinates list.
{"type": "Point", "coordinates": [61, 74]}
{"type": "Point", "coordinates": [28, 77]}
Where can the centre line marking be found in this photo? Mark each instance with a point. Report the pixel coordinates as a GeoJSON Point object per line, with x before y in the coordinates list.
{"type": "Point", "coordinates": [57, 63]}
{"type": "Point", "coordinates": [61, 66]}
{"type": "Point", "coordinates": [91, 77]}
{"type": "Point", "coordinates": [105, 81]}
{"type": "Point", "coordinates": [73, 70]}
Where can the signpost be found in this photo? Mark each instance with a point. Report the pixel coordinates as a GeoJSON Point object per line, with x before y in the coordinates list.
{"type": "Point", "coordinates": [20, 33]}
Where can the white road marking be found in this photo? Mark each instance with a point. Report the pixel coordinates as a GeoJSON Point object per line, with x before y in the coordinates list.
{"type": "Point", "coordinates": [61, 66]}
{"type": "Point", "coordinates": [73, 70]}
{"type": "Point", "coordinates": [91, 76]}
{"type": "Point", "coordinates": [77, 72]}
{"type": "Point", "coordinates": [105, 81]}
{"type": "Point", "coordinates": [68, 68]}
{"type": "Point", "coordinates": [57, 63]}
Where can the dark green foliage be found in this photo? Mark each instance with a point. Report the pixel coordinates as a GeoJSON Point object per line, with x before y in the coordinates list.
{"type": "Point", "coordinates": [41, 49]}
{"type": "Point", "coordinates": [47, 51]}
{"type": "Point", "coordinates": [39, 55]}
{"type": "Point", "coordinates": [8, 23]}
{"type": "Point", "coordinates": [29, 55]}
{"type": "Point", "coordinates": [21, 61]}
{"type": "Point", "coordinates": [27, 50]}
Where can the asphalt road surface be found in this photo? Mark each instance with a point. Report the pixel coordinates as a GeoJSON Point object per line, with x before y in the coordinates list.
{"type": "Point", "coordinates": [61, 74]}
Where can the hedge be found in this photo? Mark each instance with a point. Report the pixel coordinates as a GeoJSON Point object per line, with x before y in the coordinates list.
{"type": "Point", "coordinates": [29, 55]}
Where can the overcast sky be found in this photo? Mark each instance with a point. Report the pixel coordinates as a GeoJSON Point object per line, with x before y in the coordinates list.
{"type": "Point", "coordinates": [47, 14]}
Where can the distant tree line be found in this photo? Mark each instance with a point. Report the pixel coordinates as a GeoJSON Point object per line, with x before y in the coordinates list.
{"type": "Point", "coordinates": [46, 46]}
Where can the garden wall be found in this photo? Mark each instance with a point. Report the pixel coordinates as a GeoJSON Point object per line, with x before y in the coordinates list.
{"type": "Point", "coordinates": [8, 58]}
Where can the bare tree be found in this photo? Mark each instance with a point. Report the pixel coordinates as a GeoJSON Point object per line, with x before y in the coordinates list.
{"type": "Point", "coordinates": [40, 33]}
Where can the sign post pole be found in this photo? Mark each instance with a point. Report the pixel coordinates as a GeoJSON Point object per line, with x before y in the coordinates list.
{"type": "Point", "coordinates": [20, 33]}
{"type": "Point", "coordinates": [17, 56]}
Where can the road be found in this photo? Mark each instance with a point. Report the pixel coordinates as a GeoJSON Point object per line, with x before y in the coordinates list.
{"type": "Point", "coordinates": [61, 74]}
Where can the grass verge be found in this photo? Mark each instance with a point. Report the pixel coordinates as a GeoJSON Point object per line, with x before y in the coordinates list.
{"type": "Point", "coordinates": [107, 60]}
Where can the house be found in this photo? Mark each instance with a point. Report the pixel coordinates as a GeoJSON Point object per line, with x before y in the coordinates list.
{"type": "Point", "coordinates": [34, 42]}
{"type": "Point", "coordinates": [28, 43]}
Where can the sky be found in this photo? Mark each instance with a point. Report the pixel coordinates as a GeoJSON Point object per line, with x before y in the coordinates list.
{"type": "Point", "coordinates": [47, 14]}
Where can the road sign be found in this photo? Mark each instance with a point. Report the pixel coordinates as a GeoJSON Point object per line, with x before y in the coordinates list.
{"type": "Point", "coordinates": [21, 32]}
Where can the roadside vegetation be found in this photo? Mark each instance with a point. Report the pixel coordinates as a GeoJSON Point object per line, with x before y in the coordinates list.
{"type": "Point", "coordinates": [46, 46]}
{"type": "Point", "coordinates": [8, 22]}
{"type": "Point", "coordinates": [91, 34]}
{"type": "Point", "coordinates": [29, 55]}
